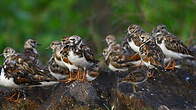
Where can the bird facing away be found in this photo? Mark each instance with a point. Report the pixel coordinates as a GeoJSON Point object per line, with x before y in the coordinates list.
{"type": "Point", "coordinates": [135, 37]}
{"type": "Point", "coordinates": [152, 55]}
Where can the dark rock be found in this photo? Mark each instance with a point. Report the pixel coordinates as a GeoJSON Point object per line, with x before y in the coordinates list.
{"type": "Point", "coordinates": [83, 92]}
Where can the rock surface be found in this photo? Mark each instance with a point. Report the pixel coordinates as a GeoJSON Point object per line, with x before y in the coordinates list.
{"type": "Point", "coordinates": [173, 90]}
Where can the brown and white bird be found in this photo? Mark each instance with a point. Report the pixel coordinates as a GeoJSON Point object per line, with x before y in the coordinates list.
{"type": "Point", "coordinates": [135, 37]}
{"type": "Point", "coordinates": [80, 54]}
{"type": "Point", "coordinates": [31, 52]}
{"type": "Point", "coordinates": [59, 56]}
{"type": "Point", "coordinates": [171, 46]}
{"type": "Point", "coordinates": [17, 73]}
{"type": "Point", "coordinates": [115, 58]}
{"type": "Point", "coordinates": [56, 70]}
{"type": "Point", "coordinates": [151, 54]}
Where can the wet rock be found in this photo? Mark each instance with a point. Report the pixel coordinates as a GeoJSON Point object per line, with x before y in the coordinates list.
{"type": "Point", "coordinates": [83, 92]}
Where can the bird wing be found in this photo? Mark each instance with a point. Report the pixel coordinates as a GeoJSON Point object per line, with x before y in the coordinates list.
{"type": "Point", "coordinates": [88, 54]}
{"type": "Point", "coordinates": [172, 43]}
{"type": "Point", "coordinates": [153, 54]}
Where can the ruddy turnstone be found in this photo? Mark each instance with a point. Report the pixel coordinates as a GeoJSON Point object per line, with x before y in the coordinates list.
{"type": "Point", "coordinates": [80, 54]}
{"type": "Point", "coordinates": [151, 54]}
{"type": "Point", "coordinates": [17, 73]}
{"type": "Point", "coordinates": [115, 57]}
{"type": "Point", "coordinates": [170, 45]}
{"type": "Point", "coordinates": [57, 71]}
{"type": "Point", "coordinates": [60, 52]}
{"type": "Point", "coordinates": [31, 52]}
{"type": "Point", "coordinates": [134, 37]}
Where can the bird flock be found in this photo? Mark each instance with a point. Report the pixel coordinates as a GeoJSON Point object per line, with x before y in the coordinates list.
{"type": "Point", "coordinates": [72, 59]}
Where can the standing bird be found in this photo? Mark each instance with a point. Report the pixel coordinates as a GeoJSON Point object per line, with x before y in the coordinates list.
{"type": "Point", "coordinates": [170, 45]}
{"type": "Point", "coordinates": [152, 55]}
{"type": "Point", "coordinates": [115, 57]}
{"type": "Point", "coordinates": [56, 70]}
{"type": "Point", "coordinates": [135, 35]}
{"type": "Point", "coordinates": [81, 55]}
{"type": "Point", "coordinates": [59, 56]}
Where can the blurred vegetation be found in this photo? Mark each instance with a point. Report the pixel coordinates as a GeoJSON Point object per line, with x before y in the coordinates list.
{"type": "Point", "coordinates": [47, 20]}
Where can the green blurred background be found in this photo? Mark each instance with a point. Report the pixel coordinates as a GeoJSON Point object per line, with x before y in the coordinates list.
{"type": "Point", "coordinates": [48, 20]}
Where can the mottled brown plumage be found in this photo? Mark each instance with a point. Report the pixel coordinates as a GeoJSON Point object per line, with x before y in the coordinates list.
{"type": "Point", "coordinates": [152, 55]}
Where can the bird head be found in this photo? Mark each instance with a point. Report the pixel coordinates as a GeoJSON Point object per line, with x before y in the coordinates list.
{"type": "Point", "coordinates": [55, 44]}
{"type": "Point", "coordinates": [133, 28]}
{"type": "Point", "coordinates": [110, 39]}
{"type": "Point", "coordinates": [8, 52]}
{"type": "Point", "coordinates": [30, 43]}
{"type": "Point", "coordinates": [74, 40]}
{"type": "Point", "coordinates": [160, 29]}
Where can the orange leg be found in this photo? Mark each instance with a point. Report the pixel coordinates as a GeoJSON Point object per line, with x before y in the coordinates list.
{"type": "Point", "coordinates": [78, 75]}
{"type": "Point", "coordinates": [68, 80]}
{"type": "Point", "coordinates": [83, 75]}
{"type": "Point", "coordinates": [171, 65]}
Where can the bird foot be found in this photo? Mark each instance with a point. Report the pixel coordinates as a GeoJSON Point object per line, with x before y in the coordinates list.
{"type": "Point", "coordinates": [171, 66]}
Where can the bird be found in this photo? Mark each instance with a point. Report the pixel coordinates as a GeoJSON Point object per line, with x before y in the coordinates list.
{"type": "Point", "coordinates": [172, 47]}
{"type": "Point", "coordinates": [135, 36]}
{"type": "Point", "coordinates": [60, 58]}
{"type": "Point", "coordinates": [31, 52]}
{"type": "Point", "coordinates": [152, 55]}
{"type": "Point", "coordinates": [80, 54]}
{"type": "Point", "coordinates": [115, 58]}
{"type": "Point", "coordinates": [17, 72]}
{"type": "Point", "coordinates": [56, 70]}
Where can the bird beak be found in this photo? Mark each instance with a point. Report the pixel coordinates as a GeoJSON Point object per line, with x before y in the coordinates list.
{"type": "Point", "coordinates": [1, 54]}
{"type": "Point", "coordinates": [38, 44]}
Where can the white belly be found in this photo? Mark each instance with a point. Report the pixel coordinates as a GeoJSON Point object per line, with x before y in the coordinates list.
{"type": "Point", "coordinates": [148, 65]}
{"type": "Point", "coordinates": [90, 78]}
{"type": "Point", "coordinates": [57, 75]}
{"type": "Point", "coordinates": [139, 62]}
{"type": "Point", "coordinates": [133, 46]}
{"type": "Point", "coordinates": [111, 67]}
{"type": "Point", "coordinates": [70, 66]}
{"type": "Point", "coordinates": [79, 61]}
{"type": "Point", "coordinates": [7, 82]}
{"type": "Point", "coordinates": [172, 54]}
{"type": "Point", "coordinates": [60, 63]}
